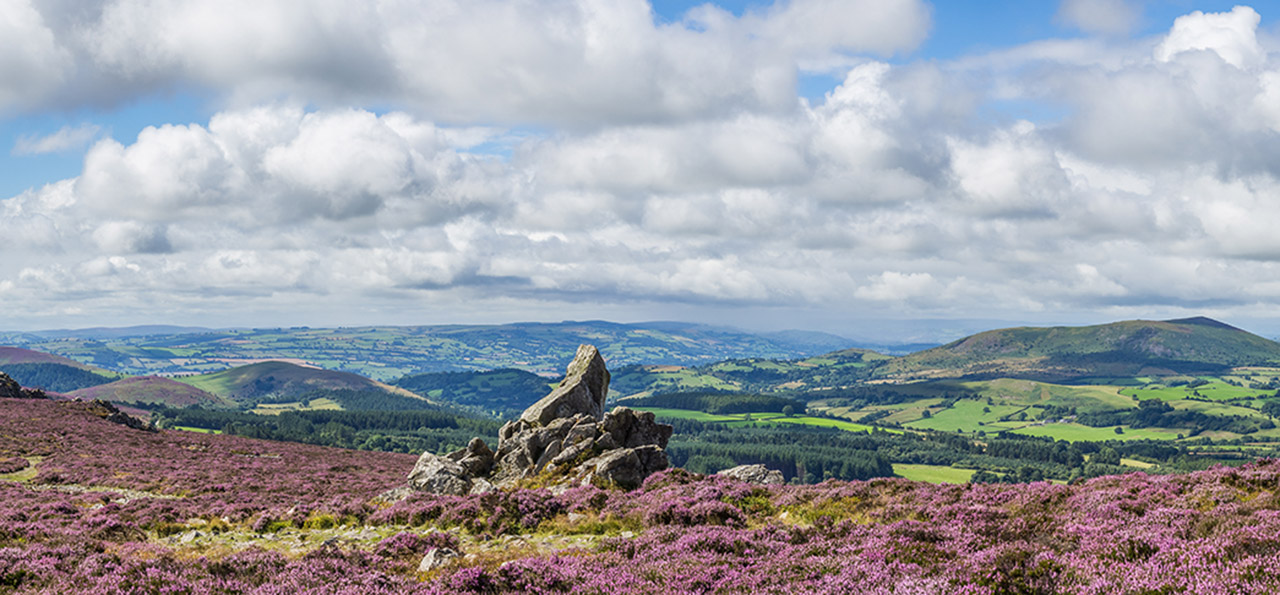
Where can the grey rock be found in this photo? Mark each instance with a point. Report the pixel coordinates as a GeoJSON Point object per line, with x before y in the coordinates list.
{"type": "Point", "coordinates": [583, 390]}
{"type": "Point", "coordinates": [549, 453]}
{"type": "Point", "coordinates": [757, 474]}
{"type": "Point", "coordinates": [622, 447]}
{"type": "Point", "coordinates": [439, 475]}
{"type": "Point", "coordinates": [606, 442]}
{"type": "Point", "coordinates": [572, 452]}
{"type": "Point", "coordinates": [631, 428]}
{"type": "Point", "coordinates": [481, 485]}
{"type": "Point", "coordinates": [435, 558]}
{"type": "Point", "coordinates": [619, 467]}
{"type": "Point", "coordinates": [476, 458]}
{"type": "Point", "coordinates": [581, 432]}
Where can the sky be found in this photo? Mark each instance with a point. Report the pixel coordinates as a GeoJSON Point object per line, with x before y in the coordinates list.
{"type": "Point", "coordinates": [849, 166]}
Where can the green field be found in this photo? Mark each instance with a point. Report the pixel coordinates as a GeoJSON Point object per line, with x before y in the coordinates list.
{"type": "Point", "coordinates": [312, 405]}
{"type": "Point", "coordinates": [1215, 390]}
{"type": "Point", "coordinates": [933, 473]}
{"type": "Point", "coordinates": [965, 416]}
{"type": "Point", "coordinates": [1079, 433]}
{"type": "Point", "coordinates": [197, 430]}
{"type": "Point", "coordinates": [743, 419]}
{"type": "Point", "coordinates": [693, 415]}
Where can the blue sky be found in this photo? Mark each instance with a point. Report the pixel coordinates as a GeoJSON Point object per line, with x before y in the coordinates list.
{"type": "Point", "coordinates": [801, 164]}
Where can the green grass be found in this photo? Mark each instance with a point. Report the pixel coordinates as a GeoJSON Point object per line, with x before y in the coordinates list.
{"type": "Point", "coordinates": [964, 416]}
{"type": "Point", "coordinates": [737, 420]}
{"type": "Point", "coordinates": [313, 405]}
{"type": "Point", "coordinates": [1215, 390]}
{"type": "Point", "coordinates": [1080, 433]}
{"type": "Point", "coordinates": [1219, 409]}
{"type": "Point", "coordinates": [687, 414]}
{"type": "Point", "coordinates": [933, 473]}
{"type": "Point", "coordinates": [821, 422]}
{"type": "Point", "coordinates": [197, 430]}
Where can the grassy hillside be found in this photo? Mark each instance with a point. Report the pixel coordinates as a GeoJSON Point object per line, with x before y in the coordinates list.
{"type": "Point", "coordinates": [149, 390]}
{"type": "Point", "coordinates": [280, 380]}
{"type": "Point", "coordinates": [1121, 349]}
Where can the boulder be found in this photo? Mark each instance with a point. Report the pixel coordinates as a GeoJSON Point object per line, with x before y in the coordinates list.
{"type": "Point", "coordinates": [476, 459]}
{"type": "Point", "coordinates": [630, 428]}
{"type": "Point", "coordinates": [757, 474]}
{"type": "Point", "coordinates": [583, 390]}
{"type": "Point", "coordinates": [439, 475]}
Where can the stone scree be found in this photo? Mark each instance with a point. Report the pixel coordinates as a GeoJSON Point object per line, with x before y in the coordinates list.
{"type": "Point", "coordinates": [565, 439]}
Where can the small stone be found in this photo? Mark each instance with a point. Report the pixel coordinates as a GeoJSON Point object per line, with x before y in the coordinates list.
{"type": "Point", "coordinates": [435, 558]}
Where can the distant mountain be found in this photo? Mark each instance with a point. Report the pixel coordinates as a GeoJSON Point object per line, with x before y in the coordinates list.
{"type": "Point", "coordinates": [275, 381]}
{"type": "Point", "coordinates": [389, 352]}
{"type": "Point", "coordinates": [34, 369]}
{"type": "Point", "coordinates": [100, 332]}
{"type": "Point", "coordinates": [149, 390]}
{"type": "Point", "coordinates": [1136, 347]}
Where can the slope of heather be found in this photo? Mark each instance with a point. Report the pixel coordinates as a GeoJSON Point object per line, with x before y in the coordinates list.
{"type": "Point", "coordinates": [150, 390]}
{"type": "Point", "coordinates": [1130, 348]}
{"type": "Point", "coordinates": [276, 379]}
{"type": "Point", "coordinates": [91, 506]}
{"type": "Point", "coordinates": [18, 355]}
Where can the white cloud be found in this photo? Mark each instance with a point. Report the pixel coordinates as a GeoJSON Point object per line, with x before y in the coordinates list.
{"type": "Point", "coordinates": [1230, 35]}
{"type": "Point", "coordinates": [65, 139]}
{"type": "Point", "coordinates": [694, 176]}
{"type": "Point", "coordinates": [575, 62]}
{"type": "Point", "coordinates": [1110, 17]}
{"type": "Point", "coordinates": [32, 62]}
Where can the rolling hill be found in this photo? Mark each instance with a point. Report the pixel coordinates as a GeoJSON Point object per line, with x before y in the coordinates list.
{"type": "Point", "coordinates": [1071, 354]}
{"type": "Point", "coordinates": [149, 390]}
{"type": "Point", "coordinates": [36, 369]}
{"type": "Point", "coordinates": [277, 381]}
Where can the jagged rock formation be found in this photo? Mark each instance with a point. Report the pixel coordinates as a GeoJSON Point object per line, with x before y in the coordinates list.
{"type": "Point", "coordinates": [757, 474]}
{"type": "Point", "coordinates": [564, 439]}
{"type": "Point", "coordinates": [10, 389]}
{"type": "Point", "coordinates": [109, 412]}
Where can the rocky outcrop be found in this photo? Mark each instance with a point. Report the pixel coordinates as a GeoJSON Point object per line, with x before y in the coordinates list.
{"type": "Point", "coordinates": [564, 439]}
{"type": "Point", "coordinates": [109, 412]}
{"type": "Point", "coordinates": [583, 390]}
{"type": "Point", "coordinates": [757, 474]}
{"type": "Point", "coordinates": [10, 389]}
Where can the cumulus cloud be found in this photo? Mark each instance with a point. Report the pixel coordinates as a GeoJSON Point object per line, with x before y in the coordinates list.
{"type": "Point", "coordinates": [1230, 35]}
{"type": "Point", "coordinates": [906, 189]}
{"type": "Point", "coordinates": [575, 62]}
